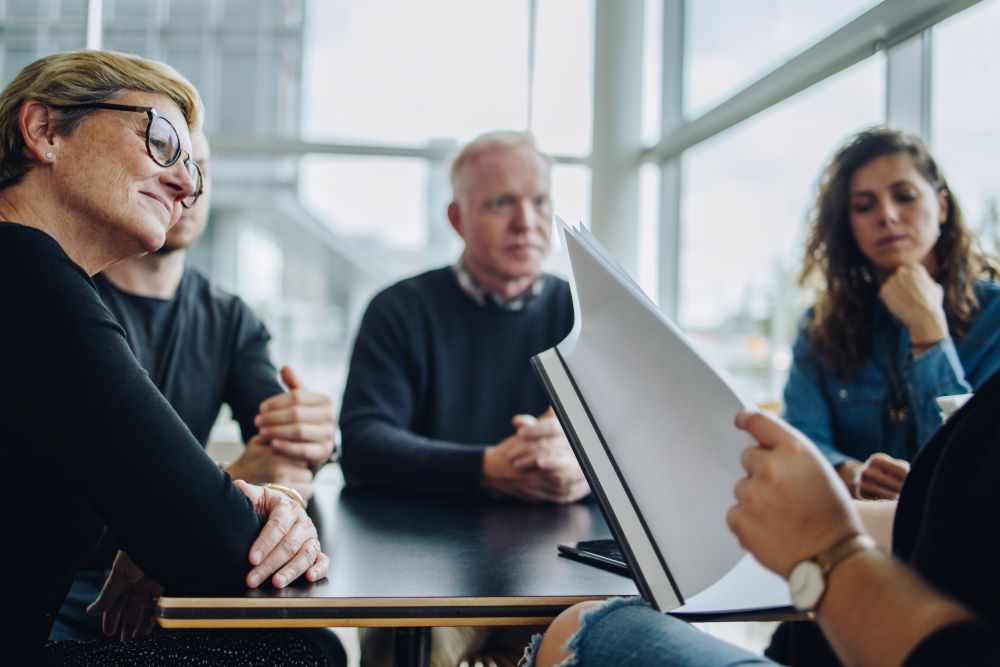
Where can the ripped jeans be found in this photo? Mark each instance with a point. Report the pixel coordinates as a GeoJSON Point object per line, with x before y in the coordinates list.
{"type": "Point", "coordinates": [628, 633]}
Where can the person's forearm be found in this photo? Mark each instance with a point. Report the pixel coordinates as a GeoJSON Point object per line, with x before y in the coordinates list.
{"type": "Point", "coordinates": [868, 588]}
{"type": "Point", "coordinates": [937, 372]}
{"type": "Point", "coordinates": [250, 383]}
{"type": "Point", "coordinates": [877, 516]}
{"type": "Point", "coordinates": [377, 455]}
{"type": "Point", "coordinates": [163, 497]}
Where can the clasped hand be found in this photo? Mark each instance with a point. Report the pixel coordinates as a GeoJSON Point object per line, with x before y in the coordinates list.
{"type": "Point", "coordinates": [286, 548]}
{"type": "Point", "coordinates": [536, 463]}
{"type": "Point", "coordinates": [295, 439]}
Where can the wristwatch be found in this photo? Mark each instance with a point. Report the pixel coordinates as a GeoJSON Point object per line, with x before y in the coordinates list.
{"type": "Point", "coordinates": [807, 582]}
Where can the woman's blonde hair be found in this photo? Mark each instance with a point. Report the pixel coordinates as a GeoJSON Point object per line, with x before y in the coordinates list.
{"type": "Point", "coordinates": [76, 77]}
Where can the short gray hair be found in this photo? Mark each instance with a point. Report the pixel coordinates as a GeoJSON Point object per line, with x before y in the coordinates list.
{"type": "Point", "coordinates": [491, 141]}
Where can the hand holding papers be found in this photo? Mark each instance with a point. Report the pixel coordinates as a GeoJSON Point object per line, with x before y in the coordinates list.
{"type": "Point", "coordinates": [652, 423]}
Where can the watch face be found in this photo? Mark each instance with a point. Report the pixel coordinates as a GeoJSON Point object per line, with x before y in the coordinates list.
{"type": "Point", "coordinates": [806, 585]}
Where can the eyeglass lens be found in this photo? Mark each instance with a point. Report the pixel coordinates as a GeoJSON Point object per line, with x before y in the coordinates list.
{"type": "Point", "coordinates": [195, 172]}
{"type": "Point", "coordinates": [164, 144]}
{"type": "Point", "coordinates": [165, 148]}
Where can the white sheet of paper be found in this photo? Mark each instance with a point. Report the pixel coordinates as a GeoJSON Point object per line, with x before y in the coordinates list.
{"type": "Point", "coordinates": [665, 413]}
{"type": "Point", "coordinates": [747, 587]}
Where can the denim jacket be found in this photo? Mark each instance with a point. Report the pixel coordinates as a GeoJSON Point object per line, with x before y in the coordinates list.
{"type": "Point", "coordinates": [848, 417]}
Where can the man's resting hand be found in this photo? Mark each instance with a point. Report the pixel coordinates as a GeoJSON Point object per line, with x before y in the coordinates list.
{"type": "Point", "coordinates": [536, 463]}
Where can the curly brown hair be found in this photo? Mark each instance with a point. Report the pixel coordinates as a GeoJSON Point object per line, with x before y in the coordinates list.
{"type": "Point", "coordinates": [843, 278]}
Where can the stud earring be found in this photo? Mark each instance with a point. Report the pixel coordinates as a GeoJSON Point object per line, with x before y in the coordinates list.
{"type": "Point", "coordinates": [49, 155]}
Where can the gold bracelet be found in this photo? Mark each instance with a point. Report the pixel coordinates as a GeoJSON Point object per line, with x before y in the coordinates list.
{"type": "Point", "coordinates": [288, 491]}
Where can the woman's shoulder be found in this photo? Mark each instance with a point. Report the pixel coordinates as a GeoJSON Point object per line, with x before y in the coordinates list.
{"type": "Point", "coordinates": [16, 238]}
{"type": "Point", "coordinates": [34, 269]}
{"type": "Point", "coordinates": [986, 291]}
{"type": "Point", "coordinates": [988, 295]}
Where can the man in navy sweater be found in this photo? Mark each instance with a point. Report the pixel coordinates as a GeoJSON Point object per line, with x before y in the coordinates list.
{"type": "Point", "coordinates": [441, 397]}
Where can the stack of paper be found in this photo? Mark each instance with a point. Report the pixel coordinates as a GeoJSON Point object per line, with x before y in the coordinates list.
{"type": "Point", "coordinates": [652, 423]}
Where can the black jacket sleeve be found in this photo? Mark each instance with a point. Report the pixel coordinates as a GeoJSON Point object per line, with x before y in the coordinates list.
{"type": "Point", "coordinates": [968, 644]}
{"type": "Point", "coordinates": [252, 377]}
{"type": "Point", "coordinates": [101, 428]}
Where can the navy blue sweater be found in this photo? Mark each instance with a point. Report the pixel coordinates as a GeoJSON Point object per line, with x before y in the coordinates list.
{"type": "Point", "coordinates": [435, 378]}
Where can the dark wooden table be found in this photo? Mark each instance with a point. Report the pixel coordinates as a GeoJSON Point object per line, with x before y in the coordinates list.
{"type": "Point", "coordinates": [407, 561]}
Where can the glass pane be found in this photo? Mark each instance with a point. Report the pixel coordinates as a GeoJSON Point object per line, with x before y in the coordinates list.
{"type": "Point", "coordinates": [652, 73]}
{"type": "Point", "coordinates": [15, 58]}
{"type": "Point", "coordinates": [239, 112]}
{"type": "Point", "coordinates": [571, 202]}
{"type": "Point", "coordinates": [183, 51]}
{"type": "Point", "coordinates": [261, 265]}
{"type": "Point", "coordinates": [730, 43]}
{"type": "Point", "coordinates": [127, 41]}
{"type": "Point", "coordinates": [26, 10]}
{"type": "Point", "coordinates": [746, 194]}
{"type": "Point", "coordinates": [383, 199]}
{"type": "Point", "coordinates": [966, 94]}
{"type": "Point", "coordinates": [647, 271]}
{"type": "Point", "coordinates": [243, 15]}
{"type": "Point", "coordinates": [131, 13]}
{"type": "Point", "coordinates": [73, 10]}
{"type": "Point", "coordinates": [571, 192]}
{"type": "Point", "coordinates": [399, 71]}
{"type": "Point", "coordinates": [562, 109]}
{"type": "Point", "coordinates": [65, 38]}
{"type": "Point", "coordinates": [193, 14]}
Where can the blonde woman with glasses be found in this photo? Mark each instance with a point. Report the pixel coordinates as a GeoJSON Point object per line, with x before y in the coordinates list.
{"type": "Point", "coordinates": [95, 167]}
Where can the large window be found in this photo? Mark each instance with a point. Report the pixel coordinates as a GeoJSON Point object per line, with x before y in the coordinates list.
{"type": "Point", "coordinates": [434, 77]}
{"type": "Point", "coordinates": [562, 91]}
{"type": "Point", "coordinates": [382, 199]}
{"type": "Point", "coordinates": [394, 86]}
{"type": "Point", "coordinates": [392, 71]}
{"type": "Point", "coordinates": [730, 44]}
{"type": "Point", "coordinates": [30, 29]}
{"type": "Point", "coordinates": [746, 195]}
{"type": "Point", "coordinates": [966, 100]}
{"type": "Point", "coordinates": [399, 72]}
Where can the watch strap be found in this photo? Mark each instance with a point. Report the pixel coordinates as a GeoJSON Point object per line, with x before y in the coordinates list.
{"type": "Point", "coordinates": [841, 550]}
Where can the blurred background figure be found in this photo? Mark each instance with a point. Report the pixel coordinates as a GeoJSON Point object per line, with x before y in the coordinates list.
{"type": "Point", "coordinates": [906, 311]}
{"type": "Point", "coordinates": [441, 397]}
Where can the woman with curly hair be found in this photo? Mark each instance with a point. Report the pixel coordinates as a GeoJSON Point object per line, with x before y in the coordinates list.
{"type": "Point", "coordinates": [906, 311]}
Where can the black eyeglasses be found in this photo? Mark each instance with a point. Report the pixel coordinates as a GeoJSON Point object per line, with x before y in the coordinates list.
{"type": "Point", "coordinates": [162, 141]}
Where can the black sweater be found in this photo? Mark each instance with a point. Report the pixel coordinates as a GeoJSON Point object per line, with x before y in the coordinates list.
{"type": "Point", "coordinates": [89, 441]}
{"type": "Point", "coordinates": [202, 348]}
{"type": "Point", "coordinates": [946, 530]}
{"type": "Point", "coordinates": [435, 378]}
{"type": "Point", "coordinates": [946, 527]}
